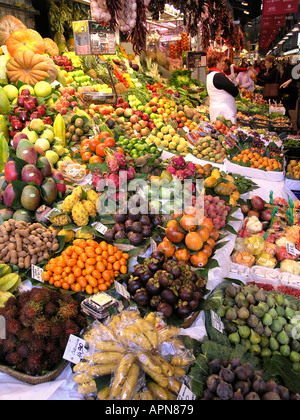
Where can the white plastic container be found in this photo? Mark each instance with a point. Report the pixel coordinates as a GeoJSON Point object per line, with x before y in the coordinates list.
{"type": "Point", "coordinates": [265, 275]}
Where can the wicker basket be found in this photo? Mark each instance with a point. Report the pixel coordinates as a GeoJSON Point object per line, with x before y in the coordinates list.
{"type": "Point", "coordinates": [34, 380]}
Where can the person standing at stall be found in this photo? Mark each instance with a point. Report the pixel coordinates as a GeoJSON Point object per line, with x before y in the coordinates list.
{"type": "Point", "coordinates": [222, 92]}
{"type": "Point", "coordinates": [270, 79]}
{"type": "Point", "coordinates": [231, 70]}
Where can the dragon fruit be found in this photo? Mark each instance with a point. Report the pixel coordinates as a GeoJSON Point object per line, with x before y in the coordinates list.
{"type": "Point", "coordinates": [131, 173]}
{"type": "Point", "coordinates": [115, 179]}
{"type": "Point", "coordinates": [122, 162]}
{"type": "Point", "coordinates": [97, 177]}
{"type": "Point", "coordinates": [172, 170]}
{"type": "Point", "coordinates": [178, 162]}
{"type": "Point", "coordinates": [191, 169]}
{"type": "Point", "coordinates": [112, 163]}
{"type": "Point", "coordinates": [181, 175]}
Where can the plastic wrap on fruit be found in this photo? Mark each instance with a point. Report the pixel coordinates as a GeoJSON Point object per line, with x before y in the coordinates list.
{"type": "Point", "coordinates": [240, 245]}
{"type": "Point", "coordinates": [282, 254]}
{"type": "Point", "coordinates": [255, 245]}
{"type": "Point", "coordinates": [292, 234]}
{"type": "Point", "coordinates": [291, 267]}
{"type": "Point", "coordinates": [266, 260]}
{"type": "Point", "coordinates": [243, 258]}
{"type": "Point", "coordinates": [254, 225]}
{"type": "Point", "coordinates": [270, 249]}
{"type": "Point", "coordinates": [281, 242]}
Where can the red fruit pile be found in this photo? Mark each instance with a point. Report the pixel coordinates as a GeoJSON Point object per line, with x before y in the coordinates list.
{"type": "Point", "coordinates": [63, 62]}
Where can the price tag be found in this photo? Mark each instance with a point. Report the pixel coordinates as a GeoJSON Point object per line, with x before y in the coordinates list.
{"type": "Point", "coordinates": [186, 394]}
{"type": "Point", "coordinates": [153, 245]}
{"type": "Point", "coordinates": [75, 350]}
{"type": "Point", "coordinates": [217, 322]}
{"type": "Point", "coordinates": [99, 227]}
{"type": "Point", "coordinates": [186, 129]}
{"type": "Point", "coordinates": [121, 290]}
{"type": "Point", "coordinates": [36, 273]}
{"type": "Point", "coordinates": [52, 213]}
{"type": "Point", "coordinates": [291, 249]}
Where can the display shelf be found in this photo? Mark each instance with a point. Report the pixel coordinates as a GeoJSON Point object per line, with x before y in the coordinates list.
{"type": "Point", "coordinates": [19, 9]}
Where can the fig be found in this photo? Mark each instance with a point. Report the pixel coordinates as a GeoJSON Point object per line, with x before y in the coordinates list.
{"type": "Point", "coordinates": [231, 291]}
{"type": "Point", "coordinates": [225, 391]}
{"type": "Point", "coordinates": [145, 220]}
{"type": "Point", "coordinates": [213, 382]}
{"type": "Point", "coordinates": [110, 234]}
{"type": "Point", "coordinates": [120, 235]}
{"type": "Point", "coordinates": [259, 386]}
{"type": "Point", "coordinates": [226, 374]}
{"type": "Point", "coordinates": [215, 366]}
{"type": "Point", "coordinates": [135, 239]}
{"type": "Point", "coordinates": [241, 373]}
{"type": "Point", "coordinates": [169, 296]}
{"type": "Point", "coordinates": [119, 217]}
{"type": "Point", "coordinates": [128, 225]}
{"type": "Point", "coordinates": [147, 232]}
{"type": "Point", "coordinates": [252, 396]}
{"type": "Point", "coordinates": [134, 215]}
{"type": "Point", "coordinates": [243, 386]}
{"type": "Point", "coordinates": [119, 227]}
{"type": "Point", "coordinates": [157, 220]}
{"type": "Point", "coordinates": [137, 227]}
{"type": "Point", "coordinates": [271, 396]}
{"type": "Point", "coordinates": [257, 203]}
{"type": "Point", "coordinates": [165, 309]}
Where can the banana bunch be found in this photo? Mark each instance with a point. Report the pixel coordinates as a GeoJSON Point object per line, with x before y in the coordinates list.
{"type": "Point", "coordinates": [128, 349]}
{"type": "Point", "coordinates": [9, 282]}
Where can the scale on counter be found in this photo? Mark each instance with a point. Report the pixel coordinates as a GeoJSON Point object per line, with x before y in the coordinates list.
{"type": "Point", "coordinates": [92, 39]}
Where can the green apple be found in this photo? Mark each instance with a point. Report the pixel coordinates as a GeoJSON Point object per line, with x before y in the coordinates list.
{"type": "Point", "coordinates": [11, 92]}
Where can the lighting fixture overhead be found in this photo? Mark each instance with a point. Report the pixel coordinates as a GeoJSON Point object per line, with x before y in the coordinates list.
{"type": "Point", "coordinates": [295, 29]}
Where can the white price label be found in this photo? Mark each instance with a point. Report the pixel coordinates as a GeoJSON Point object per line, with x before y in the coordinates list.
{"type": "Point", "coordinates": [99, 227]}
{"type": "Point", "coordinates": [36, 273]}
{"type": "Point", "coordinates": [122, 290]}
{"type": "Point", "coordinates": [75, 350]}
{"type": "Point", "coordinates": [217, 322]}
{"type": "Point", "coordinates": [186, 129]}
{"type": "Point", "coordinates": [186, 394]}
{"type": "Point", "coordinates": [291, 249]}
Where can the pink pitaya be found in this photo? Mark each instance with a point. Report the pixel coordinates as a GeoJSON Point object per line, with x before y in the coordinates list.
{"type": "Point", "coordinates": [97, 177]}
{"type": "Point", "coordinates": [115, 179]}
{"type": "Point", "coordinates": [178, 162]}
{"type": "Point", "coordinates": [112, 164]}
{"type": "Point", "coordinates": [131, 173]}
{"type": "Point", "coordinates": [171, 169]}
{"type": "Point", "coordinates": [191, 168]}
{"type": "Point", "coordinates": [122, 162]}
{"type": "Point", "coordinates": [182, 175]}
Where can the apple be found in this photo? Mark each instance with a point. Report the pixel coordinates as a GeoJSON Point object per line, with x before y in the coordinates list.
{"type": "Point", "coordinates": [28, 89]}
{"type": "Point", "coordinates": [128, 113]}
{"type": "Point", "coordinates": [145, 131]}
{"type": "Point", "coordinates": [145, 117]}
{"type": "Point", "coordinates": [134, 119]}
{"type": "Point", "coordinates": [137, 127]}
{"type": "Point", "coordinates": [21, 100]}
{"type": "Point", "coordinates": [119, 112]}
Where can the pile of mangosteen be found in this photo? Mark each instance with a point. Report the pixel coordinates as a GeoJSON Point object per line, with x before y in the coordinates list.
{"type": "Point", "coordinates": [166, 286]}
{"type": "Point", "coordinates": [133, 224]}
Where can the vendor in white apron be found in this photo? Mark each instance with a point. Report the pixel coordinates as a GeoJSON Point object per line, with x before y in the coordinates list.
{"type": "Point", "coordinates": [222, 92]}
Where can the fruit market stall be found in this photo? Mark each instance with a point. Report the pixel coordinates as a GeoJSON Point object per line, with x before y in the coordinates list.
{"type": "Point", "coordinates": [139, 236]}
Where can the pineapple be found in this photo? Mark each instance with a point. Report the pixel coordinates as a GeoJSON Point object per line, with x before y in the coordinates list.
{"type": "Point", "coordinates": [80, 215]}
{"type": "Point", "coordinates": [90, 208]}
{"type": "Point", "coordinates": [69, 203]}
{"type": "Point", "coordinates": [92, 196]}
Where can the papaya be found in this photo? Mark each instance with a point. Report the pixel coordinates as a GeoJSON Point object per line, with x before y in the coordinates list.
{"type": "Point", "coordinates": [59, 127]}
{"type": "Point", "coordinates": [5, 106]}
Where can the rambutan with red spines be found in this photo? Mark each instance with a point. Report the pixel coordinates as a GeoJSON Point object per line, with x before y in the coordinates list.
{"type": "Point", "coordinates": [54, 358]}
{"type": "Point", "coordinates": [13, 326]}
{"type": "Point", "coordinates": [71, 328]}
{"type": "Point", "coordinates": [23, 350]}
{"type": "Point", "coordinates": [68, 309]}
{"type": "Point", "coordinates": [36, 364]}
{"type": "Point", "coordinates": [12, 359]}
{"type": "Point", "coordinates": [51, 308]}
{"type": "Point", "coordinates": [10, 344]}
{"type": "Point", "coordinates": [26, 334]}
{"type": "Point", "coordinates": [23, 299]}
{"type": "Point", "coordinates": [42, 327]}
{"type": "Point", "coordinates": [55, 295]}
{"type": "Point", "coordinates": [63, 341]}
{"type": "Point", "coordinates": [11, 303]}
{"type": "Point", "coordinates": [30, 312]}
{"type": "Point", "coordinates": [57, 327]}
{"type": "Point", "coordinates": [21, 366]}
{"type": "Point", "coordinates": [52, 344]}
{"type": "Point", "coordinates": [81, 321]}
{"type": "Point", "coordinates": [11, 312]}
{"type": "Point", "coordinates": [40, 295]}
{"type": "Point", "coordinates": [37, 344]}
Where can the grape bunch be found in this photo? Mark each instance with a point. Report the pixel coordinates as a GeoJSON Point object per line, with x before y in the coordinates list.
{"type": "Point", "coordinates": [217, 210]}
